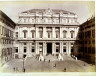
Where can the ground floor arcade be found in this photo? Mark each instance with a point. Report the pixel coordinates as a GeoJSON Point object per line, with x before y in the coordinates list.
{"type": "Point", "coordinates": [30, 48]}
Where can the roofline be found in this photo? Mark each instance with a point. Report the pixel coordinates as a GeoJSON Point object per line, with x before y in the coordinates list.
{"type": "Point", "coordinates": [51, 9]}
{"type": "Point", "coordinates": [8, 18]}
{"type": "Point", "coordinates": [88, 20]}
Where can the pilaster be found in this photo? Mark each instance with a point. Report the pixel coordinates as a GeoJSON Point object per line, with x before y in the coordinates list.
{"type": "Point", "coordinates": [44, 32]}
{"type": "Point", "coordinates": [53, 47]}
{"type": "Point", "coordinates": [61, 33]}
{"type": "Point", "coordinates": [37, 48]}
{"type": "Point", "coordinates": [37, 34]}
{"type": "Point", "coordinates": [44, 48]}
{"type": "Point", "coordinates": [53, 32]}
{"type": "Point", "coordinates": [69, 48]}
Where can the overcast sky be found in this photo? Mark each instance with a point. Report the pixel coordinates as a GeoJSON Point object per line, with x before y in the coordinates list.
{"type": "Point", "coordinates": [84, 10]}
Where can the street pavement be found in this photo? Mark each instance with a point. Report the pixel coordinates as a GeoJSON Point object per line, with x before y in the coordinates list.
{"type": "Point", "coordinates": [32, 64]}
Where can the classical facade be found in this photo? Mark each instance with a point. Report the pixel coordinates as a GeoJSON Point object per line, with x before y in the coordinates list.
{"type": "Point", "coordinates": [7, 27]}
{"type": "Point", "coordinates": [87, 40]}
{"type": "Point", "coordinates": [45, 31]}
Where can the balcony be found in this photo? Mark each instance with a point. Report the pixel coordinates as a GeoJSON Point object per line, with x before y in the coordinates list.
{"type": "Point", "coordinates": [29, 39]}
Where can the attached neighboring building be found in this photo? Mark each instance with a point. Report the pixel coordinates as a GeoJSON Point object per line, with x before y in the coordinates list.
{"type": "Point", "coordinates": [7, 27]}
{"type": "Point", "coordinates": [87, 41]}
{"type": "Point", "coordinates": [45, 31]}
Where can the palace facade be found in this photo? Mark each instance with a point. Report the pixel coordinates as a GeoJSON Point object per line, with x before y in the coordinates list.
{"type": "Point", "coordinates": [87, 40]}
{"type": "Point", "coordinates": [45, 31]}
{"type": "Point", "coordinates": [7, 27]}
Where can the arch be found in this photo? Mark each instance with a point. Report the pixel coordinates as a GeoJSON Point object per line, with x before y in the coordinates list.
{"type": "Point", "coordinates": [64, 31]}
{"type": "Point", "coordinates": [24, 30]}
{"type": "Point", "coordinates": [32, 30]}
{"type": "Point", "coordinates": [71, 31]}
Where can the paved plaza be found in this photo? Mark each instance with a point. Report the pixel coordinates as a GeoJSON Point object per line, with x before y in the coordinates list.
{"type": "Point", "coordinates": [32, 64]}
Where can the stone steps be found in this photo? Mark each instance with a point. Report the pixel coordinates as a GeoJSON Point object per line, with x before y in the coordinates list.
{"type": "Point", "coordinates": [50, 57]}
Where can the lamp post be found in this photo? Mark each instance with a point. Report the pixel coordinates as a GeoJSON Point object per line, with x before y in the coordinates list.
{"type": "Point", "coordinates": [23, 65]}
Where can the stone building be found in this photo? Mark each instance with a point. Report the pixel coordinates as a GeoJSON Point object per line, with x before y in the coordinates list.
{"type": "Point", "coordinates": [45, 31]}
{"type": "Point", "coordinates": [86, 36]}
{"type": "Point", "coordinates": [7, 27]}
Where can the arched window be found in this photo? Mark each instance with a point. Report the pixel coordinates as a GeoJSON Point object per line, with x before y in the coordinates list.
{"type": "Point", "coordinates": [72, 33]}
{"type": "Point", "coordinates": [33, 33]}
{"type": "Point", "coordinates": [40, 32]}
{"type": "Point", "coordinates": [25, 31]}
{"type": "Point", "coordinates": [57, 32]}
{"type": "Point", "coordinates": [64, 33]}
{"type": "Point", "coordinates": [49, 32]}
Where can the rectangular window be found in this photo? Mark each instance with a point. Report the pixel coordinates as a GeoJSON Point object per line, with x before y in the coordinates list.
{"type": "Point", "coordinates": [71, 49]}
{"type": "Point", "coordinates": [24, 49]}
{"type": "Point", "coordinates": [64, 49]}
{"type": "Point", "coordinates": [33, 50]}
{"type": "Point", "coordinates": [71, 34]}
{"type": "Point", "coordinates": [16, 50]}
{"type": "Point", "coordinates": [41, 34]}
{"type": "Point", "coordinates": [24, 34]}
{"type": "Point", "coordinates": [16, 34]}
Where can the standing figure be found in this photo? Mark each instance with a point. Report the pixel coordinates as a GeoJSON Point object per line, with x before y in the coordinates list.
{"type": "Point", "coordinates": [14, 69]}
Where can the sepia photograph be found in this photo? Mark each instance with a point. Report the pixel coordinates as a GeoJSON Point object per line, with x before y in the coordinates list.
{"type": "Point", "coordinates": [47, 36]}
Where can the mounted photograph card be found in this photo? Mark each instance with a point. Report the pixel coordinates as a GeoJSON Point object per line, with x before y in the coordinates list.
{"type": "Point", "coordinates": [47, 38]}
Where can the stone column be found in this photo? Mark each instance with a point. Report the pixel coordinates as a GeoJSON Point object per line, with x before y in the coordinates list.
{"type": "Point", "coordinates": [44, 48]}
{"type": "Point", "coordinates": [37, 48]}
{"type": "Point", "coordinates": [44, 32]}
{"type": "Point", "coordinates": [36, 33]}
{"type": "Point", "coordinates": [69, 48]}
{"type": "Point", "coordinates": [60, 47]}
{"type": "Point", "coordinates": [61, 33]}
{"type": "Point", "coordinates": [53, 47]}
{"type": "Point", "coordinates": [53, 32]}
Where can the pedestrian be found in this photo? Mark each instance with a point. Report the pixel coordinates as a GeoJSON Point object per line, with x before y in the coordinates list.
{"type": "Point", "coordinates": [64, 69]}
{"type": "Point", "coordinates": [24, 70]}
{"type": "Point", "coordinates": [49, 61]}
{"type": "Point", "coordinates": [84, 64]}
{"type": "Point", "coordinates": [14, 69]}
{"type": "Point", "coordinates": [44, 60]}
{"type": "Point", "coordinates": [55, 65]}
